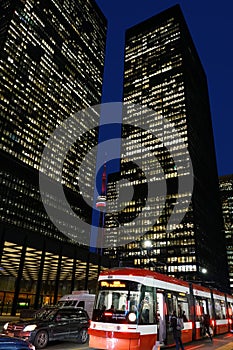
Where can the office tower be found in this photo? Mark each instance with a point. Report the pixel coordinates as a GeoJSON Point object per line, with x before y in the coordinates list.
{"type": "Point", "coordinates": [52, 59]}
{"type": "Point", "coordinates": [163, 73]}
{"type": "Point", "coordinates": [226, 193]}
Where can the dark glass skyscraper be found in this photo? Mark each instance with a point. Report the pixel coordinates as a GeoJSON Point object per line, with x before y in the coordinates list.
{"type": "Point", "coordinates": [52, 60]}
{"type": "Point", "coordinates": [163, 73]}
{"type": "Point", "coordinates": [226, 192]}
{"type": "Point", "coordinates": [52, 55]}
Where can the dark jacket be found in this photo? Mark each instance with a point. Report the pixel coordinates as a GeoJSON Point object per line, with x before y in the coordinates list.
{"type": "Point", "coordinates": [176, 332]}
{"type": "Point", "coordinates": [206, 320]}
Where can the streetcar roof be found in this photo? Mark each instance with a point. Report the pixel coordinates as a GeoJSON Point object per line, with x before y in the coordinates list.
{"type": "Point", "coordinates": [137, 272]}
{"type": "Point", "coordinates": [140, 275]}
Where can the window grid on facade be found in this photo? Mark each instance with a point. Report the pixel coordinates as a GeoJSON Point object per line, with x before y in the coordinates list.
{"type": "Point", "coordinates": [163, 72]}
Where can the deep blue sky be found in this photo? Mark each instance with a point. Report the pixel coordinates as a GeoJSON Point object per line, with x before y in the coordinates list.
{"type": "Point", "coordinates": [211, 27]}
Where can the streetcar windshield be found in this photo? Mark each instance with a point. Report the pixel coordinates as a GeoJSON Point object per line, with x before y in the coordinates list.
{"type": "Point", "coordinates": [116, 300]}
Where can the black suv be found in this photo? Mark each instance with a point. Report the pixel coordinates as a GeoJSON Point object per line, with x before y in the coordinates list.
{"type": "Point", "coordinates": [52, 324]}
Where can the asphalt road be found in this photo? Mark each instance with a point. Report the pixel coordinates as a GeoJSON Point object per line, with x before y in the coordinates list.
{"type": "Point", "coordinates": [222, 342]}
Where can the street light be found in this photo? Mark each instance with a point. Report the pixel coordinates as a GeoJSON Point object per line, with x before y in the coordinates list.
{"type": "Point", "coordinates": [147, 244]}
{"type": "Point", "coordinates": [204, 270]}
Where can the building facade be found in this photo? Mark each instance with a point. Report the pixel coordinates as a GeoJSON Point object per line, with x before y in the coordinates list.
{"type": "Point", "coordinates": [163, 73]}
{"type": "Point", "coordinates": [226, 193]}
{"type": "Point", "coordinates": [52, 61]}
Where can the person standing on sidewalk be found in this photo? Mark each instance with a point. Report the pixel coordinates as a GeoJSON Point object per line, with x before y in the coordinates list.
{"type": "Point", "coordinates": [176, 331]}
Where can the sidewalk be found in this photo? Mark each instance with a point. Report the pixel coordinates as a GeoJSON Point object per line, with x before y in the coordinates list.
{"type": "Point", "coordinates": [6, 318]}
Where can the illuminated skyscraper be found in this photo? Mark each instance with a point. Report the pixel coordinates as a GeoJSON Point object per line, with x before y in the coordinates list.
{"type": "Point", "coordinates": [163, 72]}
{"type": "Point", "coordinates": [52, 60]}
{"type": "Point", "coordinates": [226, 192]}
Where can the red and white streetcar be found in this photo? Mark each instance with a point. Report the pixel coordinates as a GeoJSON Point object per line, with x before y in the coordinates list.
{"type": "Point", "coordinates": [133, 308]}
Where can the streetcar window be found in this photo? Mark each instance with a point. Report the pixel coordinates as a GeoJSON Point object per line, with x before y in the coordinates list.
{"type": "Point", "coordinates": [210, 308]}
{"type": "Point", "coordinates": [230, 309]}
{"type": "Point", "coordinates": [147, 310]}
{"type": "Point", "coordinates": [178, 302]}
{"type": "Point", "coordinates": [172, 304]}
{"type": "Point", "coordinates": [203, 306]}
{"type": "Point", "coordinates": [116, 300]}
{"type": "Point", "coordinates": [220, 309]}
{"type": "Point", "coordinates": [183, 310]}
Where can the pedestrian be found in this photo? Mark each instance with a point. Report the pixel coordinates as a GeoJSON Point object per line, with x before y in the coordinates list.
{"type": "Point", "coordinates": [176, 328]}
{"type": "Point", "coordinates": [206, 323]}
{"type": "Point", "coordinates": [112, 308]}
{"type": "Point", "coordinates": [184, 317]}
{"type": "Point", "coordinates": [123, 308]}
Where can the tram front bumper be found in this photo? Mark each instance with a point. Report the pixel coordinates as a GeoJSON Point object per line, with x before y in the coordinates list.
{"type": "Point", "coordinates": [111, 340]}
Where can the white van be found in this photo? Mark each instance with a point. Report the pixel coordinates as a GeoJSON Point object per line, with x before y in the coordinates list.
{"type": "Point", "coordinates": [79, 298]}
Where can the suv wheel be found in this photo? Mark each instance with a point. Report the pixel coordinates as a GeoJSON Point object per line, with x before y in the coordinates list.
{"type": "Point", "coordinates": [83, 336]}
{"type": "Point", "coordinates": [41, 339]}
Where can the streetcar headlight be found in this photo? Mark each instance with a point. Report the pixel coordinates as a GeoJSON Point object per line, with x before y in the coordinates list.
{"type": "Point", "coordinates": [132, 317]}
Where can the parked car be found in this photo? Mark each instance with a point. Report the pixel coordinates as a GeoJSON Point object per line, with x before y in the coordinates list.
{"type": "Point", "coordinates": [12, 343]}
{"type": "Point", "coordinates": [78, 298]}
{"type": "Point", "coordinates": [52, 324]}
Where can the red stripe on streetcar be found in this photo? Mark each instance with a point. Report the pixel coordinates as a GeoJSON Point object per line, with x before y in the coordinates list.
{"type": "Point", "coordinates": [112, 334]}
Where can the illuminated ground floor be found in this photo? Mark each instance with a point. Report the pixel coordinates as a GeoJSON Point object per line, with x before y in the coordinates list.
{"type": "Point", "coordinates": [37, 270]}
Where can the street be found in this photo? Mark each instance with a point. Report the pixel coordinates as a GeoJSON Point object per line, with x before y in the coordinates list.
{"type": "Point", "coordinates": [222, 342]}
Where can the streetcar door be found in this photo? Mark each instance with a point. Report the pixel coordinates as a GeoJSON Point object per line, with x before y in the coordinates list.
{"type": "Point", "coordinates": [175, 301]}
{"type": "Point", "coordinates": [171, 305]}
{"type": "Point", "coordinates": [161, 317]}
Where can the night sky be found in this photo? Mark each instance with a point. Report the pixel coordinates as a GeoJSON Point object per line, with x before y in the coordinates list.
{"type": "Point", "coordinates": [211, 27]}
